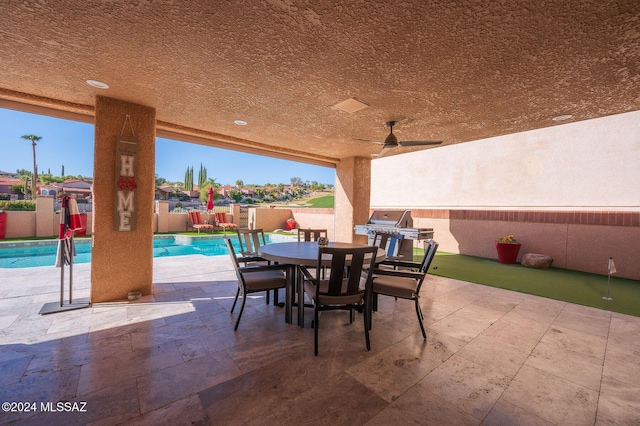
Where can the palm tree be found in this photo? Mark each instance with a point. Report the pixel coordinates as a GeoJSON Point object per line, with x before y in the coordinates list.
{"type": "Point", "coordinates": [33, 139]}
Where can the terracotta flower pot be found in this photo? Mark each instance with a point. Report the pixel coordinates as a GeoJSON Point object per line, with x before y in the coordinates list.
{"type": "Point", "coordinates": [507, 252]}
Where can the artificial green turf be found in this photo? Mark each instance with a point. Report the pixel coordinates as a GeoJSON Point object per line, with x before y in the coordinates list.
{"type": "Point", "coordinates": [561, 284]}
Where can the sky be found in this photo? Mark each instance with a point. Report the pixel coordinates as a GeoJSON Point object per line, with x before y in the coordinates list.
{"type": "Point", "coordinates": [70, 143]}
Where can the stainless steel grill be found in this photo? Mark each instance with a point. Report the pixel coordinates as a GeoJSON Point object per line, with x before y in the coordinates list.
{"type": "Point", "coordinates": [399, 221]}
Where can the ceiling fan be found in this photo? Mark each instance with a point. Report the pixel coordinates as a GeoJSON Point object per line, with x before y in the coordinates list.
{"type": "Point", "coordinates": [392, 141]}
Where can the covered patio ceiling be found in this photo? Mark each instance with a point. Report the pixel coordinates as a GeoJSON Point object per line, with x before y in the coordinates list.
{"type": "Point", "coordinates": [452, 71]}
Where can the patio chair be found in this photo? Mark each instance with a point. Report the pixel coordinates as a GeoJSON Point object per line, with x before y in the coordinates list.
{"type": "Point", "coordinates": [403, 284]}
{"type": "Point", "coordinates": [311, 234]}
{"type": "Point", "coordinates": [254, 279]}
{"type": "Point", "coordinates": [221, 220]}
{"type": "Point", "coordinates": [198, 223]}
{"type": "Point", "coordinates": [346, 287]}
{"type": "Point", "coordinates": [250, 241]}
{"type": "Point", "coordinates": [391, 243]}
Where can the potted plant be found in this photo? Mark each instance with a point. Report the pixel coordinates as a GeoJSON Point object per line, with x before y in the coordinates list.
{"type": "Point", "coordinates": [290, 224]}
{"type": "Point", "coordinates": [508, 249]}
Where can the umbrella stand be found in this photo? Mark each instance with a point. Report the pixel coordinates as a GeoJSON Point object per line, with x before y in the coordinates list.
{"type": "Point", "coordinates": [66, 252]}
{"type": "Point", "coordinates": [62, 285]}
{"type": "Point", "coordinates": [70, 280]}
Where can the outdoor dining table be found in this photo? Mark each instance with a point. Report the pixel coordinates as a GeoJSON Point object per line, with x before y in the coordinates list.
{"type": "Point", "coordinates": [296, 255]}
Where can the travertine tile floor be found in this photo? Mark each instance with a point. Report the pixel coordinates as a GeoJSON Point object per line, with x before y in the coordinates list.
{"type": "Point", "coordinates": [492, 357]}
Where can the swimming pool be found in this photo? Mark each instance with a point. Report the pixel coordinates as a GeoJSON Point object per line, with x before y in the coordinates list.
{"type": "Point", "coordinates": [28, 254]}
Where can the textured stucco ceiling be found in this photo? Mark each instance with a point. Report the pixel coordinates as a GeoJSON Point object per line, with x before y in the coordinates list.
{"type": "Point", "coordinates": [455, 71]}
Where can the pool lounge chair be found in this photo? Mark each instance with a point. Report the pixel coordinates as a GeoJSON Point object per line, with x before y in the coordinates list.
{"type": "Point", "coordinates": [198, 223]}
{"type": "Point", "coordinates": [221, 221]}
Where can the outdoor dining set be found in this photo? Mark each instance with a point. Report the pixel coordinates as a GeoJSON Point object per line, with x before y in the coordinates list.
{"type": "Point", "coordinates": [323, 275]}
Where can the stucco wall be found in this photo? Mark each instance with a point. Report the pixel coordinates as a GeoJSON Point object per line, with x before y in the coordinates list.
{"type": "Point", "coordinates": [20, 224]}
{"type": "Point", "coordinates": [581, 247]}
{"type": "Point", "coordinates": [43, 222]}
{"type": "Point", "coordinates": [177, 222]}
{"type": "Point", "coordinates": [588, 164]}
{"type": "Point", "coordinates": [352, 197]}
{"type": "Point", "coordinates": [267, 219]}
{"type": "Point", "coordinates": [270, 219]}
{"type": "Point", "coordinates": [316, 219]}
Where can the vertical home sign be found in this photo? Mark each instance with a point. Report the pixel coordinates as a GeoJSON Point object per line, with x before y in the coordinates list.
{"type": "Point", "coordinates": [126, 168]}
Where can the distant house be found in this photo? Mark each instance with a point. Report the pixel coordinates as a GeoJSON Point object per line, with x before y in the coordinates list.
{"type": "Point", "coordinates": [248, 191]}
{"type": "Point", "coordinates": [51, 190]}
{"type": "Point", "coordinates": [163, 192]}
{"type": "Point", "coordinates": [5, 188]}
{"type": "Point", "coordinates": [223, 190]}
{"type": "Point", "coordinates": [8, 174]}
{"type": "Point", "coordinates": [78, 188]}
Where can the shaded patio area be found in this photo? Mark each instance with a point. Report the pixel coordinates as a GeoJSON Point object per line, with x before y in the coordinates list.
{"type": "Point", "coordinates": [492, 357]}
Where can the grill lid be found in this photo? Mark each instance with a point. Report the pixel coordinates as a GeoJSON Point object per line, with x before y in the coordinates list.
{"type": "Point", "coordinates": [394, 218]}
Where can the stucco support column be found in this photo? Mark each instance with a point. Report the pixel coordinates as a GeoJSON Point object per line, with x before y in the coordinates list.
{"type": "Point", "coordinates": [352, 197]}
{"type": "Point", "coordinates": [122, 261]}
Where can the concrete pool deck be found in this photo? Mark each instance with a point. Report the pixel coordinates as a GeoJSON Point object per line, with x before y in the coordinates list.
{"type": "Point", "coordinates": [492, 356]}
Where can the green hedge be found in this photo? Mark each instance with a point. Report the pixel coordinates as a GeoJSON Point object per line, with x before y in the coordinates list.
{"type": "Point", "coordinates": [24, 206]}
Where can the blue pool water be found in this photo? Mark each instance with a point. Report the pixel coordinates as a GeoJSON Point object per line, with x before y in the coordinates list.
{"type": "Point", "coordinates": [43, 253]}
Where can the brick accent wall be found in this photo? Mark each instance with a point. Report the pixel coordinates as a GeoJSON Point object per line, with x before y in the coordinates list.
{"type": "Point", "coordinates": [609, 218]}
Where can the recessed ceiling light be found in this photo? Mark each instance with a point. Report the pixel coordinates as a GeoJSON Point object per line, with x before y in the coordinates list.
{"type": "Point", "coordinates": [240, 122]}
{"type": "Point", "coordinates": [97, 84]}
{"type": "Point", "coordinates": [562, 117]}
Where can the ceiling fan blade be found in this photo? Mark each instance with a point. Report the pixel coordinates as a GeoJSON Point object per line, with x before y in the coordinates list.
{"type": "Point", "coordinates": [368, 140]}
{"type": "Point", "coordinates": [419, 143]}
{"type": "Point", "coordinates": [391, 142]}
{"type": "Point", "coordinates": [384, 152]}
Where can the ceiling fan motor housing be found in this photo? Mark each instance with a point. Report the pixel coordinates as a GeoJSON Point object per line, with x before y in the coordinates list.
{"type": "Point", "coordinates": [391, 141]}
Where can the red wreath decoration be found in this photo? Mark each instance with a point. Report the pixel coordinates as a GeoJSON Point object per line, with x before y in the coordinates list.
{"type": "Point", "coordinates": [126, 183]}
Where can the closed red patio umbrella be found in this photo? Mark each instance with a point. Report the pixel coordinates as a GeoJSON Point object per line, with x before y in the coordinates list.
{"type": "Point", "coordinates": [210, 202]}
